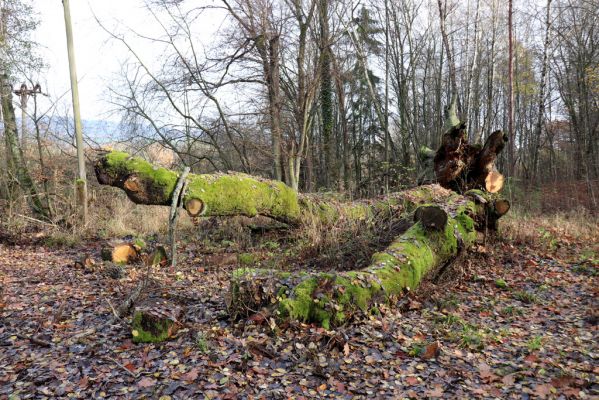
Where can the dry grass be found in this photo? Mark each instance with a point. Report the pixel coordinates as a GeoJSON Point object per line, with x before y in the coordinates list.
{"type": "Point", "coordinates": [570, 236]}
{"type": "Point", "coordinates": [572, 225]}
{"type": "Point", "coordinates": [121, 217]}
{"type": "Point", "coordinates": [347, 244]}
{"type": "Point", "coordinates": [112, 215]}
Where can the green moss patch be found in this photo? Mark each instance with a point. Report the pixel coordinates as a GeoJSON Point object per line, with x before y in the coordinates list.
{"type": "Point", "coordinates": [147, 327]}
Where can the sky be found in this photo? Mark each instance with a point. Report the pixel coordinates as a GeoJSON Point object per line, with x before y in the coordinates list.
{"type": "Point", "coordinates": [98, 58]}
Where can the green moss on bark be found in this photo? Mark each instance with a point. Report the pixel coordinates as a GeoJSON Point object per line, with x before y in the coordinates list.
{"type": "Point", "coordinates": [147, 328]}
{"type": "Point", "coordinates": [221, 194]}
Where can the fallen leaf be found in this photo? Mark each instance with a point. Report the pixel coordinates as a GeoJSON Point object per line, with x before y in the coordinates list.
{"type": "Point", "coordinates": [563, 381]}
{"type": "Point", "coordinates": [432, 350]}
{"type": "Point", "coordinates": [83, 382]}
{"type": "Point", "coordinates": [146, 382]}
{"type": "Point", "coordinates": [485, 373]}
{"type": "Point", "coordinates": [543, 390]}
{"type": "Point", "coordinates": [508, 380]}
{"type": "Point", "coordinates": [412, 380]}
{"type": "Point", "coordinates": [191, 375]}
{"type": "Point", "coordinates": [531, 358]}
{"type": "Point", "coordinates": [436, 392]}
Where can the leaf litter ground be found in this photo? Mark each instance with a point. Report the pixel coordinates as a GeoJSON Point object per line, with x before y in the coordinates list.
{"type": "Point", "coordinates": [511, 319]}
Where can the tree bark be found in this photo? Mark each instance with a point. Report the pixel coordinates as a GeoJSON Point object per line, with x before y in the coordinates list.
{"type": "Point", "coordinates": [326, 97]}
{"type": "Point", "coordinates": [510, 104]}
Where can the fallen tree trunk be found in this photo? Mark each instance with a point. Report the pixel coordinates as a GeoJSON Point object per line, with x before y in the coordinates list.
{"type": "Point", "coordinates": [206, 195]}
{"type": "Point", "coordinates": [241, 194]}
{"type": "Point", "coordinates": [443, 229]}
{"type": "Point", "coordinates": [445, 223]}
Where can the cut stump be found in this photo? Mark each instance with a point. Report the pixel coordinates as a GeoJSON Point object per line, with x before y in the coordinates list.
{"type": "Point", "coordinates": [122, 253]}
{"type": "Point", "coordinates": [155, 320]}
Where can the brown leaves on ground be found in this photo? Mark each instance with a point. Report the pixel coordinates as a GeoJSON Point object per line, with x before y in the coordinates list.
{"type": "Point", "coordinates": [532, 338]}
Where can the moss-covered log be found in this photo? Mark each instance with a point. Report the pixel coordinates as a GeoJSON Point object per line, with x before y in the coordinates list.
{"type": "Point", "coordinates": [208, 195]}
{"type": "Point", "coordinates": [155, 320]}
{"type": "Point", "coordinates": [330, 298]}
{"type": "Point", "coordinates": [447, 223]}
{"type": "Point", "coordinates": [241, 194]}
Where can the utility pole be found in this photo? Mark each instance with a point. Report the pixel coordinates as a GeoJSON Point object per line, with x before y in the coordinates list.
{"type": "Point", "coordinates": [81, 181]}
{"type": "Point", "coordinates": [24, 92]}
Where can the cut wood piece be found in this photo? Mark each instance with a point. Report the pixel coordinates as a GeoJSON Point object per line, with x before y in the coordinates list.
{"type": "Point", "coordinates": [88, 264]}
{"type": "Point", "coordinates": [494, 182]}
{"type": "Point", "coordinates": [431, 217]}
{"type": "Point", "coordinates": [123, 253]}
{"type": "Point", "coordinates": [497, 209]}
{"type": "Point", "coordinates": [155, 320]}
{"type": "Point", "coordinates": [502, 206]}
{"type": "Point", "coordinates": [195, 207]}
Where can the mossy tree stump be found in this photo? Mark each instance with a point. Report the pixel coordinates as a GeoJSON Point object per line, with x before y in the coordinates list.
{"type": "Point", "coordinates": [155, 320]}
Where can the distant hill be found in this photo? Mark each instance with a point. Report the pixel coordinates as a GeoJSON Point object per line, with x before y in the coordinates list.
{"type": "Point", "coordinates": [100, 131]}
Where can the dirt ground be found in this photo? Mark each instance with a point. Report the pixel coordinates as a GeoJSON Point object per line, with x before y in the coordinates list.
{"type": "Point", "coordinates": [516, 317]}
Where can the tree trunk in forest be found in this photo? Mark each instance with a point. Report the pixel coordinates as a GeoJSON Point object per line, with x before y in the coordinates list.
{"type": "Point", "coordinates": [536, 140]}
{"type": "Point", "coordinates": [510, 98]}
{"type": "Point", "coordinates": [450, 61]}
{"type": "Point", "coordinates": [274, 100]}
{"type": "Point", "coordinates": [326, 97]}
{"type": "Point", "coordinates": [16, 160]}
